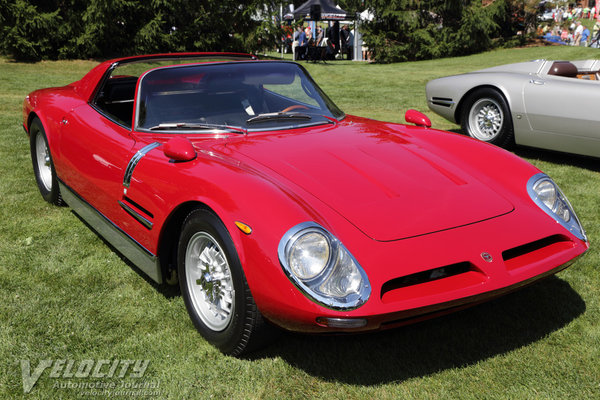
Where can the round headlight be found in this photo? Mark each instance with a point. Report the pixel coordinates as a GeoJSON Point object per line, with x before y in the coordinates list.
{"type": "Point", "coordinates": [308, 255]}
{"type": "Point", "coordinates": [345, 279]}
{"type": "Point", "coordinates": [322, 268]}
{"type": "Point", "coordinates": [549, 195]}
{"type": "Point", "coordinates": [546, 192]}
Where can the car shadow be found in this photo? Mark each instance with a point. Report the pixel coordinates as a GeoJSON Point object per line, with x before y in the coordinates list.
{"type": "Point", "coordinates": [555, 157]}
{"type": "Point", "coordinates": [456, 340]}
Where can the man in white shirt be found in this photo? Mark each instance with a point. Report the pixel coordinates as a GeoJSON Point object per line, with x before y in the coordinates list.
{"type": "Point", "coordinates": [577, 34]}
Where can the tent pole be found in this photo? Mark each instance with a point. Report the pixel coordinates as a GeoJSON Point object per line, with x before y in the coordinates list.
{"type": "Point", "coordinates": [355, 46]}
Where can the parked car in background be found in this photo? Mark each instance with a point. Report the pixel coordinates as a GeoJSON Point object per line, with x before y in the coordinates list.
{"type": "Point", "coordinates": [547, 104]}
{"type": "Point", "coordinates": [547, 16]}
{"type": "Point", "coordinates": [241, 180]}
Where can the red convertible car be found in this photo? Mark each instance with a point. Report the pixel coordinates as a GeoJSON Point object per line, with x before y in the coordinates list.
{"type": "Point", "coordinates": [241, 180]}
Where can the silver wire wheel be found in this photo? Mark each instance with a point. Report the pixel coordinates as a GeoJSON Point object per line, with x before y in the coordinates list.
{"type": "Point", "coordinates": [43, 169]}
{"type": "Point", "coordinates": [485, 119]}
{"type": "Point", "coordinates": [42, 155]}
{"type": "Point", "coordinates": [209, 281]}
{"type": "Point", "coordinates": [214, 287]}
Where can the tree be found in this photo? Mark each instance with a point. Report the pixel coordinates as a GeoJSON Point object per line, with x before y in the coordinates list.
{"type": "Point", "coordinates": [53, 29]}
{"type": "Point", "coordinates": [411, 29]}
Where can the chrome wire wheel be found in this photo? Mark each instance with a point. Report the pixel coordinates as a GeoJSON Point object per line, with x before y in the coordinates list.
{"type": "Point", "coordinates": [43, 162]}
{"type": "Point", "coordinates": [485, 119]}
{"type": "Point", "coordinates": [209, 281]}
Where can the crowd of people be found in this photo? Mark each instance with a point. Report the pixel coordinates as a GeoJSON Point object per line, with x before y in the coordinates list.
{"type": "Point", "coordinates": [325, 44]}
{"type": "Point", "coordinates": [566, 27]}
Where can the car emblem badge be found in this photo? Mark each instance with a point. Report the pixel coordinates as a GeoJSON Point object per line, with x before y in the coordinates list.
{"type": "Point", "coordinates": [487, 257]}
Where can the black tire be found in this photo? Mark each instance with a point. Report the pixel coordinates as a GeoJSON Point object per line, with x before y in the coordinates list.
{"type": "Point", "coordinates": [241, 328]}
{"type": "Point", "coordinates": [43, 166]}
{"type": "Point", "coordinates": [485, 116]}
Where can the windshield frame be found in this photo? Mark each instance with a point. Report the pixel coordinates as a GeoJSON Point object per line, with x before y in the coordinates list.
{"type": "Point", "coordinates": [334, 113]}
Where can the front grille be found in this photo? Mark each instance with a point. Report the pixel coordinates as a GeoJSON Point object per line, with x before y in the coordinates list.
{"type": "Point", "coordinates": [432, 281]}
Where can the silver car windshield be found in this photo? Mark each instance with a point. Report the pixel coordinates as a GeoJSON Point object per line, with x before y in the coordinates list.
{"type": "Point", "coordinates": [247, 96]}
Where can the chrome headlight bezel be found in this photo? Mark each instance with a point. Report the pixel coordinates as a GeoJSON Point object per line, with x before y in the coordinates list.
{"type": "Point", "coordinates": [339, 260]}
{"type": "Point", "coordinates": [559, 202]}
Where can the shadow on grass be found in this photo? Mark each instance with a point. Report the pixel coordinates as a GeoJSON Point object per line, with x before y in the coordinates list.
{"type": "Point", "coordinates": [169, 291]}
{"type": "Point", "coordinates": [556, 157]}
{"type": "Point", "coordinates": [456, 340]}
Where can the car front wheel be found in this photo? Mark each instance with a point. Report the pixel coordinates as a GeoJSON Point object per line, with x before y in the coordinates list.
{"type": "Point", "coordinates": [43, 167]}
{"type": "Point", "coordinates": [485, 116]}
{"type": "Point", "coordinates": [214, 287]}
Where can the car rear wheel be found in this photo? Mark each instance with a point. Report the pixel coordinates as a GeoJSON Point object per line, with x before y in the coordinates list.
{"type": "Point", "coordinates": [43, 167]}
{"type": "Point", "coordinates": [214, 287]}
{"type": "Point", "coordinates": [485, 116]}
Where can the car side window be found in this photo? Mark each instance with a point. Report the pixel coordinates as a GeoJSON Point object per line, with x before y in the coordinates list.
{"type": "Point", "coordinates": [115, 99]}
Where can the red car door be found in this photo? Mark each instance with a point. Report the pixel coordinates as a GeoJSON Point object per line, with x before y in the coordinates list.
{"type": "Point", "coordinates": [95, 151]}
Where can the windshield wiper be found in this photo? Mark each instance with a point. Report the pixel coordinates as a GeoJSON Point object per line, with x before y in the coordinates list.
{"type": "Point", "coordinates": [276, 116]}
{"type": "Point", "coordinates": [185, 125]}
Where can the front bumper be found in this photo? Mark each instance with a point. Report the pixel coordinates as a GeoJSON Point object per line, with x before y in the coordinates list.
{"type": "Point", "coordinates": [429, 275]}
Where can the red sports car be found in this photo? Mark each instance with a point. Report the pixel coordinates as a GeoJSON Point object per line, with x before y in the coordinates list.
{"type": "Point", "coordinates": [243, 181]}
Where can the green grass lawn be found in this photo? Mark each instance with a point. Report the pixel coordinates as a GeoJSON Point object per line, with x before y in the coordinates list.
{"type": "Point", "coordinates": [65, 294]}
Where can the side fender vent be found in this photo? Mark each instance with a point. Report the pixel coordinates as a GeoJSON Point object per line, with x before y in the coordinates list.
{"type": "Point", "coordinates": [442, 101]}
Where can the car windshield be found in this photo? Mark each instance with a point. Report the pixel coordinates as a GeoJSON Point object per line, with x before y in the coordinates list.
{"type": "Point", "coordinates": [238, 97]}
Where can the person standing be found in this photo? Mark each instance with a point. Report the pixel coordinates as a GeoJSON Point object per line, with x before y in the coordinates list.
{"type": "Point", "coordinates": [577, 34]}
{"type": "Point", "coordinates": [334, 37]}
{"type": "Point", "coordinates": [584, 36]}
{"type": "Point", "coordinates": [319, 36]}
{"type": "Point", "coordinates": [344, 38]}
{"type": "Point", "coordinates": [296, 41]}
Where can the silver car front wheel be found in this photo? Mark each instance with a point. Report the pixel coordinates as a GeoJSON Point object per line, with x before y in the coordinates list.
{"type": "Point", "coordinates": [485, 116]}
{"type": "Point", "coordinates": [214, 287]}
{"type": "Point", "coordinates": [485, 119]}
{"type": "Point", "coordinates": [209, 281]}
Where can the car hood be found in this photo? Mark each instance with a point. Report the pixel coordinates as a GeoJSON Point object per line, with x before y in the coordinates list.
{"type": "Point", "coordinates": [386, 183]}
{"type": "Point", "coordinates": [527, 67]}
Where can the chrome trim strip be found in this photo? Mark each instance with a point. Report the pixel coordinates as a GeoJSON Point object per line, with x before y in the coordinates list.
{"type": "Point", "coordinates": [135, 160]}
{"type": "Point", "coordinates": [138, 217]}
{"type": "Point", "coordinates": [119, 101]}
{"type": "Point", "coordinates": [125, 244]}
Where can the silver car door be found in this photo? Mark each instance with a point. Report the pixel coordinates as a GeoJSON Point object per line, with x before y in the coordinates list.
{"type": "Point", "coordinates": [564, 114]}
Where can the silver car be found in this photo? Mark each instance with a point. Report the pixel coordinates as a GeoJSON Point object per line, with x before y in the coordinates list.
{"type": "Point", "coordinates": [548, 104]}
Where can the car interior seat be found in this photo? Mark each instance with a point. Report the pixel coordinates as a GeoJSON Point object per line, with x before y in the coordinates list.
{"type": "Point", "coordinates": [563, 68]}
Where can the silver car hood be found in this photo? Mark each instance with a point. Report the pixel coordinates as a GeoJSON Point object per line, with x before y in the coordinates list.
{"type": "Point", "coordinates": [527, 67]}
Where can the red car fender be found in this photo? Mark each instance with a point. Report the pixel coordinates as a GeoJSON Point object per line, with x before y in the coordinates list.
{"type": "Point", "coordinates": [244, 195]}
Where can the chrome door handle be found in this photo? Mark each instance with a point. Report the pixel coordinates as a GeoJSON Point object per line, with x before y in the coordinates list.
{"type": "Point", "coordinates": [537, 82]}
